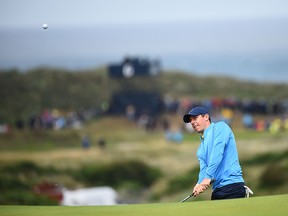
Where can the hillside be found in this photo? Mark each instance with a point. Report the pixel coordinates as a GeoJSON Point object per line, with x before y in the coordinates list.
{"type": "Point", "coordinates": [48, 88]}
{"type": "Point", "coordinates": [141, 165]}
{"type": "Point", "coordinates": [126, 154]}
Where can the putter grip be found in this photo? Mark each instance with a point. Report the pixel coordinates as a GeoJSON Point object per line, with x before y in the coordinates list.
{"type": "Point", "coordinates": [212, 180]}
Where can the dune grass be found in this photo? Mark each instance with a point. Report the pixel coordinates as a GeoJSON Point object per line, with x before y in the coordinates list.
{"type": "Point", "coordinates": [127, 141]}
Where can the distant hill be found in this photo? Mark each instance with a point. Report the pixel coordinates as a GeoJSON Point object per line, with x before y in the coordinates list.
{"type": "Point", "coordinates": [47, 88]}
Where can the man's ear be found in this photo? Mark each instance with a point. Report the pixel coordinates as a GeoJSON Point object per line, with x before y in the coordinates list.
{"type": "Point", "coordinates": [207, 117]}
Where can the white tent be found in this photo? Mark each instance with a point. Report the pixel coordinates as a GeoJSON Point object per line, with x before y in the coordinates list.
{"type": "Point", "coordinates": [89, 196]}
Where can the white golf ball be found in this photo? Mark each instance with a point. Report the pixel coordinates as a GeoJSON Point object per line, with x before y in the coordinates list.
{"type": "Point", "coordinates": [45, 26]}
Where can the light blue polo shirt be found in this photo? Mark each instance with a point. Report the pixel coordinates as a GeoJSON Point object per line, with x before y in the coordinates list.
{"type": "Point", "coordinates": [218, 156]}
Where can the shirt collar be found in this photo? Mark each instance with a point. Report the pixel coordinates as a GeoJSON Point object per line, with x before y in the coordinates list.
{"type": "Point", "coordinates": [206, 131]}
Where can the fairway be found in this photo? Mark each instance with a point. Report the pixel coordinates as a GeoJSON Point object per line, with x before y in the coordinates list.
{"type": "Point", "coordinates": [266, 205]}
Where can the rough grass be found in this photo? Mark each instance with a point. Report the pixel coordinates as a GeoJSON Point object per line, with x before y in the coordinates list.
{"type": "Point", "coordinates": [267, 205]}
{"type": "Point", "coordinates": [127, 141]}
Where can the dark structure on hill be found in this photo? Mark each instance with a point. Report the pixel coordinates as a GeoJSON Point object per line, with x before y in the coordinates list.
{"type": "Point", "coordinates": [131, 102]}
{"type": "Point", "coordinates": [131, 67]}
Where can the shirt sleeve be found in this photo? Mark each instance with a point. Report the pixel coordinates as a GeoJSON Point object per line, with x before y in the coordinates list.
{"type": "Point", "coordinates": [221, 135]}
{"type": "Point", "coordinates": [203, 167]}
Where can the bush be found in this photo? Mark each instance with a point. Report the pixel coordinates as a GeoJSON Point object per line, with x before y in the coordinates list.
{"type": "Point", "coordinates": [182, 182]}
{"type": "Point", "coordinates": [17, 181]}
{"type": "Point", "coordinates": [8, 183]}
{"type": "Point", "coordinates": [274, 176]}
{"type": "Point", "coordinates": [23, 197]}
{"type": "Point", "coordinates": [267, 158]}
{"type": "Point", "coordinates": [119, 174]}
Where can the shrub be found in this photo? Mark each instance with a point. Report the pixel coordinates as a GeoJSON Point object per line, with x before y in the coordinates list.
{"type": "Point", "coordinates": [17, 181]}
{"type": "Point", "coordinates": [267, 158]}
{"type": "Point", "coordinates": [23, 197]}
{"type": "Point", "coordinates": [274, 176]}
{"type": "Point", "coordinates": [182, 182]}
{"type": "Point", "coordinates": [119, 174]}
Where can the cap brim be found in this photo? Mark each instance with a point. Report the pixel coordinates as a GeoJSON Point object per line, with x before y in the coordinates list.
{"type": "Point", "coordinates": [186, 118]}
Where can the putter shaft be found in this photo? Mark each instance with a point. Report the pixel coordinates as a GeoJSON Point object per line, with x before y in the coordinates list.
{"type": "Point", "coordinates": [186, 198]}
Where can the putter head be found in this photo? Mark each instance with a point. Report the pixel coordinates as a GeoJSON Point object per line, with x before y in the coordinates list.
{"type": "Point", "coordinates": [248, 191]}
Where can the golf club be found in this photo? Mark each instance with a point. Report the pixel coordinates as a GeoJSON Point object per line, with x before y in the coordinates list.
{"type": "Point", "coordinates": [186, 198]}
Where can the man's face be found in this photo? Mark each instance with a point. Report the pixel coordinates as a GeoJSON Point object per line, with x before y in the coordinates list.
{"type": "Point", "coordinates": [200, 122]}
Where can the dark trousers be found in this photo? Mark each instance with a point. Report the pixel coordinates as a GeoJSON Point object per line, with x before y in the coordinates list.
{"type": "Point", "coordinates": [230, 191]}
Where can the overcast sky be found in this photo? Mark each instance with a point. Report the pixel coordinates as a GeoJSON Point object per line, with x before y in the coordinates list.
{"type": "Point", "coordinates": [89, 33]}
{"type": "Point", "coordinates": [61, 13]}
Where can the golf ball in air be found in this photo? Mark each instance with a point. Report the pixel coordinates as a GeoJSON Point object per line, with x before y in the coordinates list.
{"type": "Point", "coordinates": [45, 26]}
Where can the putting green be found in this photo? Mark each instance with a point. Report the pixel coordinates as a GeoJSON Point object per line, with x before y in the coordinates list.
{"type": "Point", "coordinates": [266, 205]}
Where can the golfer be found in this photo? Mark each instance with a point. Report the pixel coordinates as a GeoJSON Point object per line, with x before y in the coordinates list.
{"type": "Point", "coordinates": [217, 156]}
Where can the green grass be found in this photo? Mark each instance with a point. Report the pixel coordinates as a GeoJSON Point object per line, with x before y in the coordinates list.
{"type": "Point", "coordinates": [266, 205]}
{"type": "Point", "coordinates": [61, 151]}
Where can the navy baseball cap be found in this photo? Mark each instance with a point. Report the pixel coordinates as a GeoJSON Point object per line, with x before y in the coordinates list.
{"type": "Point", "coordinates": [195, 112]}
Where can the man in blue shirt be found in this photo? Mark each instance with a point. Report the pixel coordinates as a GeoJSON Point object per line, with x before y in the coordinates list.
{"type": "Point", "coordinates": [218, 157]}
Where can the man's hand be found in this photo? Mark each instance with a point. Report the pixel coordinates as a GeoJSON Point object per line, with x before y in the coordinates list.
{"type": "Point", "coordinates": [206, 183]}
{"type": "Point", "coordinates": [199, 188]}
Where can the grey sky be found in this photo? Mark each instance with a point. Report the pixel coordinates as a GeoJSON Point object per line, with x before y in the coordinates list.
{"type": "Point", "coordinates": [61, 13]}
{"type": "Point", "coordinates": [89, 33]}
